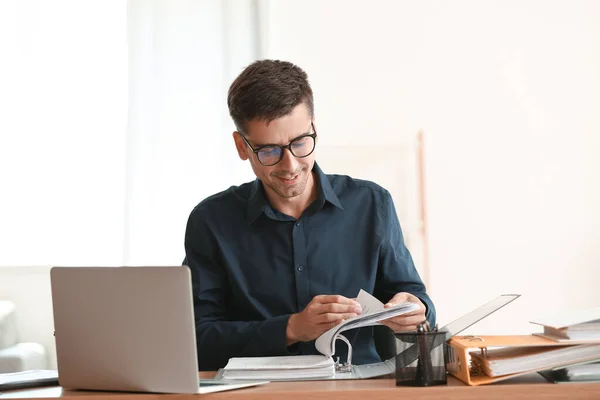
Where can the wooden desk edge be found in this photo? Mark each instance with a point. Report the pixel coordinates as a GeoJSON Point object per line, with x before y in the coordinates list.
{"type": "Point", "coordinates": [526, 388]}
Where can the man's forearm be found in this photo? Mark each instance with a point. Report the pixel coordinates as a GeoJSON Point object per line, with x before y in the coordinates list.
{"type": "Point", "coordinates": [218, 341]}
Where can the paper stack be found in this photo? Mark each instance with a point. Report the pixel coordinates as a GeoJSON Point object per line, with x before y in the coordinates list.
{"type": "Point", "coordinates": [583, 372]}
{"type": "Point", "coordinates": [512, 360]}
{"type": "Point", "coordinates": [578, 325]}
{"type": "Point", "coordinates": [279, 367]}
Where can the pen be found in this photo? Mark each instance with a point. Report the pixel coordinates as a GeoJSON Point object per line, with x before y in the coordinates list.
{"type": "Point", "coordinates": [424, 367]}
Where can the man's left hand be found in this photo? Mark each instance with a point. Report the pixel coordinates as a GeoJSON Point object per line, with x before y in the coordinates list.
{"type": "Point", "coordinates": [409, 321]}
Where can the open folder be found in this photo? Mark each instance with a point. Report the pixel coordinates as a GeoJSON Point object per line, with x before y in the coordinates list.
{"type": "Point", "coordinates": [320, 366]}
{"type": "Point", "coordinates": [324, 368]}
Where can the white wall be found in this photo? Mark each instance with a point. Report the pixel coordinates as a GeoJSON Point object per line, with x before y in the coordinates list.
{"type": "Point", "coordinates": [182, 57]}
{"type": "Point", "coordinates": [508, 95]}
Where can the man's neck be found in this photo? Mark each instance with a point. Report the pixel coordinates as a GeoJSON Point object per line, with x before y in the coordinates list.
{"type": "Point", "coordinates": [295, 206]}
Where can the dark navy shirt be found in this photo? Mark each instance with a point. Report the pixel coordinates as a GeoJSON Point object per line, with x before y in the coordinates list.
{"type": "Point", "coordinates": [252, 266]}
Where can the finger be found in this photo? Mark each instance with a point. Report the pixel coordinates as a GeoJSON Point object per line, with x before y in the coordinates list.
{"type": "Point", "coordinates": [327, 326]}
{"type": "Point", "coordinates": [339, 308]}
{"type": "Point", "coordinates": [420, 311]}
{"type": "Point", "coordinates": [399, 298]}
{"type": "Point", "coordinates": [403, 320]}
{"type": "Point", "coordinates": [334, 298]}
{"type": "Point", "coordinates": [403, 297]}
{"type": "Point", "coordinates": [332, 317]}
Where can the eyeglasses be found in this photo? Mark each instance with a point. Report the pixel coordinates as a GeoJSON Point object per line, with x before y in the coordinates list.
{"type": "Point", "coordinates": [271, 154]}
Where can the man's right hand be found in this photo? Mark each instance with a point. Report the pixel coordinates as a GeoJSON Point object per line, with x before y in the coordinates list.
{"type": "Point", "coordinates": [321, 314]}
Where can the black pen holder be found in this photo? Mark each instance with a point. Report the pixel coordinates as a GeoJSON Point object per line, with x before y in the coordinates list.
{"type": "Point", "coordinates": [421, 358]}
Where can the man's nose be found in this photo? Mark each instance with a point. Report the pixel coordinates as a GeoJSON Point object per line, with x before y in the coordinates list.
{"type": "Point", "coordinates": [288, 162]}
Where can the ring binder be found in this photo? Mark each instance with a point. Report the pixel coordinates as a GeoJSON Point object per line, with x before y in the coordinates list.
{"type": "Point", "coordinates": [473, 338]}
{"type": "Point", "coordinates": [465, 349]}
{"type": "Point", "coordinates": [347, 366]}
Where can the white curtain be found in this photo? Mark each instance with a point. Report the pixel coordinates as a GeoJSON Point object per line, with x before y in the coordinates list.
{"type": "Point", "coordinates": [114, 124]}
{"type": "Point", "coordinates": [63, 110]}
{"type": "Point", "coordinates": [182, 58]}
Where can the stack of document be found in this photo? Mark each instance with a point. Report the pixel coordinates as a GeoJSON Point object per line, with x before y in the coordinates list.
{"type": "Point", "coordinates": [578, 325]}
{"type": "Point", "coordinates": [512, 360]}
{"type": "Point", "coordinates": [29, 378]}
{"type": "Point", "coordinates": [579, 332]}
{"type": "Point", "coordinates": [279, 368]}
{"type": "Point", "coordinates": [583, 372]}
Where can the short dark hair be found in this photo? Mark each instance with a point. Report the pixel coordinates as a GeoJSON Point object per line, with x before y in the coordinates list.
{"type": "Point", "coordinates": [267, 90]}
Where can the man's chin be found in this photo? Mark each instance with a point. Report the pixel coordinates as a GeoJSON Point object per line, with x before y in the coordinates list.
{"type": "Point", "coordinates": [288, 192]}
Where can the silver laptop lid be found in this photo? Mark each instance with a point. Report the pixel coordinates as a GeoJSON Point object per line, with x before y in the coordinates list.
{"type": "Point", "coordinates": [125, 328]}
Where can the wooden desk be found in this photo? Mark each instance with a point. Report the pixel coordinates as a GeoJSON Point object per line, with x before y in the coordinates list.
{"type": "Point", "coordinates": [527, 387]}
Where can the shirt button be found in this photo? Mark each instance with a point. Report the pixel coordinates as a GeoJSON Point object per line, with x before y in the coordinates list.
{"type": "Point", "coordinates": [300, 268]}
{"type": "Point", "coordinates": [297, 223]}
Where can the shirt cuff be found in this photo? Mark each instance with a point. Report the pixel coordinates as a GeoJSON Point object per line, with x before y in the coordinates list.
{"type": "Point", "coordinates": [429, 315]}
{"type": "Point", "coordinates": [273, 336]}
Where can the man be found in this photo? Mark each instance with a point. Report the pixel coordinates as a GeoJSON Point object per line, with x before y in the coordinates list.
{"type": "Point", "coordinates": [277, 261]}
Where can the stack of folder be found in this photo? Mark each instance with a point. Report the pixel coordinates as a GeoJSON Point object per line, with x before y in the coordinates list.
{"type": "Point", "coordinates": [581, 326]}
{"type": "Point", "coordinates": [567, 350]}
{"type": "Point", "coordinates": [583, 372]}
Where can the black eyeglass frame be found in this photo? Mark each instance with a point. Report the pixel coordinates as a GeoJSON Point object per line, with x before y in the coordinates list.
{"type": "Point", "coordinates": [288, 146]}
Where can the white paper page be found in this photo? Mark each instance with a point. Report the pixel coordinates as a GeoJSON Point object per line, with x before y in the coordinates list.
{"type": "Point", "coordinates": [280, 374]}
{"type": "Point", "coordinates": [278, 362]}
{"type": "Point", "coordinates": [211, 385]}
{"type": "Point", "coordinates": [27, 376]}
{"type": "Point", "coordinates": [368, 302]}
{"type": "Point", "coordinates": [374, 312]}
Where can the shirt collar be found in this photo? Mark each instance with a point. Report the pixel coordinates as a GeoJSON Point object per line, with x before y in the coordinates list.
{"type": "Point", "coordinates": [324, 190]}
{"type": "Point", "coordinates": [257, 201]}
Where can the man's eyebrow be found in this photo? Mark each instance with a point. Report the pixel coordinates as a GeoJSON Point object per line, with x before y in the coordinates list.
{"type": "Point", "coordinates": [257, 145]}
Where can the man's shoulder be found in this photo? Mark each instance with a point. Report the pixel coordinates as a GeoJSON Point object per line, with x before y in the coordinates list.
{"type": "Point", "coordinates": [226, 201]}
{"type": "Point", "coordinates": [346, 185]}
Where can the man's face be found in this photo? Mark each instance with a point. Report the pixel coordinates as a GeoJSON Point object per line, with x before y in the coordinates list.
{"type": "Point", "coordinates": [288, 178]}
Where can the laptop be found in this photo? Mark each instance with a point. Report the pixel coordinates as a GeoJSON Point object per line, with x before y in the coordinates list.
{"type": "Point", "coordinates": [128, 329]}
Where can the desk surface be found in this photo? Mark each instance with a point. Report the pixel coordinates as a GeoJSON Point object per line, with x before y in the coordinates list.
{"type": "Point", "coordinates": [527, 387]}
